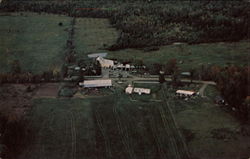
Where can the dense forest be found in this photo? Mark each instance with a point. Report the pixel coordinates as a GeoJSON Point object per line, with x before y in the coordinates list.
{"type": "Point", "coordinates": [155, 23]}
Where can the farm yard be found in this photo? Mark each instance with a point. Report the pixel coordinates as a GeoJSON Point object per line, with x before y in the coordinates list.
{"type": "Point", "coordinates": [71, 115]}
{"type": "Point", "coordinates": [36, 41]}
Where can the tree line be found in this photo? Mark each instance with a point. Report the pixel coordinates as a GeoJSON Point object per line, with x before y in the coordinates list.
{"type": "Point", "coordinates": [156, 24]}
{"type": "Point", "coordinates": [17, 75]}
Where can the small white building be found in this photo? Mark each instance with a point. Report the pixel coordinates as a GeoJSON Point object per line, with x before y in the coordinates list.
{"type": "Point", "coordinates": [77, 68]}
{"type": "Point", "coordinates": [96, 83]}
{"type": "Point", "coordinates": [142, 91]}
{"type": "Point", "coordinates": [130, 90]}
{"type": "Point", "coordinates": [120, 66]}
{"type": "Point", "coordinates": [105, 62]}
{"type": "Point", "coordinates": [185, 93]}
{"type": "Point", "coordinates": [127, 66]}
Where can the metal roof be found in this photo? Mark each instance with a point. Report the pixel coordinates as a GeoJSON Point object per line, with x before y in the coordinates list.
{"type": "Point", "coordinates": [97, 55]}
{"type": "Point", "coordinates": [96, 83]}
{"type": "Point", "coordinates": [185, 92]}
{"type": "Point", "coordinates": [186, 73]}
{"type": "Point", "coordinates": [142, 90]}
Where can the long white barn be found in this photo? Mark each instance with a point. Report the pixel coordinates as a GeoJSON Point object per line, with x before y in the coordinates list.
{"type": "Point", "coordinates": [185, 93]}
{"type": "Point", "coordinates": [96, 83]}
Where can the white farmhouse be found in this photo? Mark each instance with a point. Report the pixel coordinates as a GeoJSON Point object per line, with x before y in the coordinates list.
{"type": "Point", "coordinates": [105, 62]}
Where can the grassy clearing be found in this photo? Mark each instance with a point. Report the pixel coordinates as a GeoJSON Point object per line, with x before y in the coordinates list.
{"type": "Point", "coordinates": [35, 40]}
{"type": "Point", "coordinates": [92, 35]}
{"type": "Point", "coordinates": [211, 92]}
{"type": "Point", "coordinates": [192, 56]}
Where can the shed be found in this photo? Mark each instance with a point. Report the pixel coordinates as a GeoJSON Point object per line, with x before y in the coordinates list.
{"type": "Point", "coordinates": [129, 89]}
{"type": "Point", "coordinates": [127, 66]}
{"type": "Point", "coordinates": [96, 83]}
{"type": "Point", "coordinates": [186, 74]}
{"type": "Point", "coordinates": [219, 100]}
{"type": "Point", "coordinates": [120, 66]}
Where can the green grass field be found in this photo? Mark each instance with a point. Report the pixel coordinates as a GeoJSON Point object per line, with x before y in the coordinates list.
{"type": "Point", "coordinates": [92, 33]}
{"type": "Point", "coordinates": [38, 42]}
{"type": "Point", "coordinates": [192, 56]}
{"type": "Point", "coordinates": [35, 40]}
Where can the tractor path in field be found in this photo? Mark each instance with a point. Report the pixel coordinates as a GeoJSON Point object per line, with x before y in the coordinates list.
{"type": "Point", "coordinates": [177, 142]}
{"type": "Point", "coordinates": [73, 135]}
{"type": "Point", "coordinates": [166, 136]}
{"type": "Point", "coordinates": [123, 129]}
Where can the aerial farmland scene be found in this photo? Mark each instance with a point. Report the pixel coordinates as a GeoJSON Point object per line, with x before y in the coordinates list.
{"type": "Point", "coordinates": [124, 79]}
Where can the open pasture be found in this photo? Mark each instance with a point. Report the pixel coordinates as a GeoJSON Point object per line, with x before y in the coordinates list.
{"type": "Point", "coordinates": [36, 41]}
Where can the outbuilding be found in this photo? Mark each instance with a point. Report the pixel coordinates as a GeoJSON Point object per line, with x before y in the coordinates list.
{"type": "Point", "coordinates": [219, 100]}
{"type": "Point", "coordinates": [129, 89]}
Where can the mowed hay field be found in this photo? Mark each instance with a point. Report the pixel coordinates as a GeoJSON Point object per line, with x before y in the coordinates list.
{"type": "Point", "coordinates": [37, 41]}
{"type": "Point", "coordinates": [93, 34]}
{"type": "Point", "coordinates": [101, 127]}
